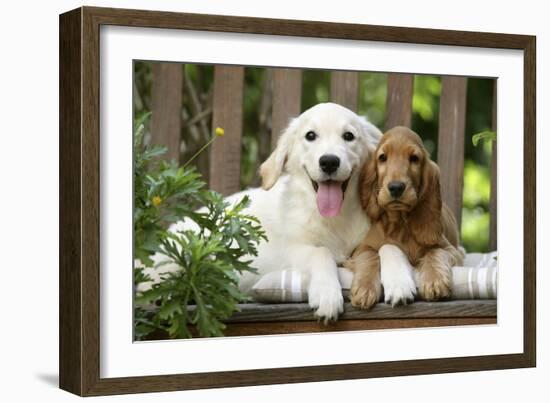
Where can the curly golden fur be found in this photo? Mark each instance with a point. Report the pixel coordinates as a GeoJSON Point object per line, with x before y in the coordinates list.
{"type": "Point", "coordinates": [411, 217]}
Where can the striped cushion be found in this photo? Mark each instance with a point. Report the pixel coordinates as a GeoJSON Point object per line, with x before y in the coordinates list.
{"type": "Point", "coordinates": [280, 286]}
{"type": "Point", "coordinates": [477, 279]}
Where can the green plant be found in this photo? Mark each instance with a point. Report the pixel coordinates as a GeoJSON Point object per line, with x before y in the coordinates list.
{"type": "Point", "coordinates": [205, 290]}
{"type": "Point", "coordinates": [163, 193]}
{"type": "Point", "coordinates": [485, 135]}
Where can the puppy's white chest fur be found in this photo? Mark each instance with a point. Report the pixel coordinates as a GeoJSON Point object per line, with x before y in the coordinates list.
{"type": "Point", "coordinates": [339, 234]}
{"type": "Point", "coordinates": [289, 215]}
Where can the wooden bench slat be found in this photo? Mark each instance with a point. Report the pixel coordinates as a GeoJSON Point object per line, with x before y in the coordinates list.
{"type": "Point", "coordinates": [283, 312]}
{"type": "Point", "coordinates": [262, 319]}
{"type": "Point", "coordinates": [493, 199]}
{"type": "Point", "coordinates": [450, 158]}
{"type": "Point", "coordinates": [301, 311]}
{"type": "Point", "coordinates": [225, 157]}
{"type": "Point", "coordinates": [272, 328]}
{"type": "Point", "coordinates": [399, 100]}
{"type": "Point", "coordinates": [344, 88]}
{"type": "Point", "coordinates": [166, 94]}
{"type": "Point", "coordinates": [287, 100]}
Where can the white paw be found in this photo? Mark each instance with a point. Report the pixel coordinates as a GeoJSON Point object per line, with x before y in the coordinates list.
{"type": "Point", "coordinates": [397, 276]}
{"type": "Point", "coordinates": [399, 291]}
{"type": "Point", "coordinates": [327, 300]}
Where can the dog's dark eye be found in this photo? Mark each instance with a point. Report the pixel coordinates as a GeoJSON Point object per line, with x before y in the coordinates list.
{"type": "Point", "coordinates": [348, 136]}
{"type": "Point", "coordinates": [413, 158]}
{"type": "Point", "coordinates": [310, 136]}
{"type": "Point", "coordinates": [382, 158]}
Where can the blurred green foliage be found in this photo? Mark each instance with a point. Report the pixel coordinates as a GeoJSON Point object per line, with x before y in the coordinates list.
{"type": "Point", "coordinates": [372, 97]}
{"type": "Point", "coordinates": [372, 102]}
{"type": "Point", "coordinates": [475, 207]}
{"type": "Point", "coordinates": [315, 87]}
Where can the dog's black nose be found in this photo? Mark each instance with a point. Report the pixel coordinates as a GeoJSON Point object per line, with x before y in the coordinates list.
{"type": "Point", "coordinates": [329, 163]}
{"type": "Point", "coordinates": [396, 189]}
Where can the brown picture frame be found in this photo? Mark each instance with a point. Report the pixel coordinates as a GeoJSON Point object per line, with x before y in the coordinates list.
{"type": "Point", "coordinates": [79, 200]}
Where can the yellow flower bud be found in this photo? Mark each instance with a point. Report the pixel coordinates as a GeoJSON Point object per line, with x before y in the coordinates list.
{"type": "Point", "coordinates": [156, 201]}
{"type": "Point", "coordinates": [219, 132]}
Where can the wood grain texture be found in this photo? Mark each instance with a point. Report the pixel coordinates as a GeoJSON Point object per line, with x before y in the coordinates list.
{"type": "Point", "coordinates": [494, 171]}
{"type": "Point", "coordinates": [450, 157]}
{"type": "Point", "coordinates": [344, 88]}
{"type": "Point", "coordinates": [90, 224]}
{"type": "Point", "coordinates": [166, 97]}
{"type": "Point", "coordinates": [271, 328]}
{"type": "Point", "coordinates": [163, 383]}
{"type": "Point", "coordinates": [70, 275]}
{"type": "Point", "coordinates": [79, 266]}
{"type": "Point", "coordinates": [258, 328]}
{"type": "Point", "coordinates": [399, 100]}
{"type": "Point", "coordinates": [530, 204]}
{"type": "Point", "coordinates": [257, 312]}
{"type": "Point", "coordinates": [315, 29]}
{"type": "Point", "coordinates": [287, 100]}
{"type": "Point", "coordinates": [301, 312]}
{"type": "Point", "coordinates": [225, 152]}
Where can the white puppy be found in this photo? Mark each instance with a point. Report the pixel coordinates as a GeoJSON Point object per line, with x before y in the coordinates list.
{"type": "Point", "coordinates": [309, 205]}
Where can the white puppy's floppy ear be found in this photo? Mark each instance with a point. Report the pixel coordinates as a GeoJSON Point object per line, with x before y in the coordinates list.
{"type": "Point", "coordinates": [372, 133]}
{"type": "Point", "coordinates": [272, 168]}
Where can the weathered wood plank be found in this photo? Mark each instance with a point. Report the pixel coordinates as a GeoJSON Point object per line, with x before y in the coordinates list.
{"type": "Point", "coordinates": [263, 319]}
{"type": "Point", "coordinates": [450, 155]}
{"type": "Point", "coordinates": [265, 121]}
{"type": "Point", "coordinates": [399, 100]}
{"type": "Point", "coordinates": [257, 312]}
{"type": "Point", "coordinates": [264, 328]}
{"type": "Point", "coordinates": [302, 311]}
{"type": "Point", "coordinates": [493, 200]}
{"type": "Point", "coordinates": [287, 99]}
{"type": "Point", "coordinates": [225, 152]}
{"type": "Point", "coordinates": [344, 88]}
{"type": "Point", "coordinates": [166, 97]}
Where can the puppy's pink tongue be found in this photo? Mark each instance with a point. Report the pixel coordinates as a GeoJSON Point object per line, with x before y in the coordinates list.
{"type": "Point", "coordinates": [329, 198]}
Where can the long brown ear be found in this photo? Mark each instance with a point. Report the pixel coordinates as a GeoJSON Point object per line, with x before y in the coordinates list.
{"type": "Point", "coordinates": [425, 220]}
{"type": "Point", "coordinates": [272, 168]}
{"type": "Point", "coordinates": [368, 193]}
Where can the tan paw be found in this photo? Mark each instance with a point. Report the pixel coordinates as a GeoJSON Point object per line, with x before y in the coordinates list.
{"type": "Point", "coordinates": [435, 285]}
{"type": "Point", "coordinates": [365, 294]}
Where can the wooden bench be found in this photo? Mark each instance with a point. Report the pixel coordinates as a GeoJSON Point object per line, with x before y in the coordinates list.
{"type": "Point", "coordinates": [224, 174]}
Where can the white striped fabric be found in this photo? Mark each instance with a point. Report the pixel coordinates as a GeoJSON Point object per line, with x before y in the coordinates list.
{"type": "Point", "coordinates": [280, 286]}
{"type": "Point", "coordinates": [477, 279]}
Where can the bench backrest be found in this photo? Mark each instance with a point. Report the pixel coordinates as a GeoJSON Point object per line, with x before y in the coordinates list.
{"type": "Point", "coordinates": [227, 112]}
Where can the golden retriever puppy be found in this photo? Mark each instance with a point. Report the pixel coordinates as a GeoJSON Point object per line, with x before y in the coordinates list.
{"type": "Point", "coordinates": [309, 203]}
{"type": "Point", "coordinates": [400, 193]}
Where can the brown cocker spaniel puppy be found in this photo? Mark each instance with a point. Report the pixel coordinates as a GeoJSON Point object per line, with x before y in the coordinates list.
{"type": "Point", "coordinates": [400, 193]}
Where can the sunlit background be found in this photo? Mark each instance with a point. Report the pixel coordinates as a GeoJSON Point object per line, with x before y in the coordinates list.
{"type": "Point", "coordinates": [198, 80]}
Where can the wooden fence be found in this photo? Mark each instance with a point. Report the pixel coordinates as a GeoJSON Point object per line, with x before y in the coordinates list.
{"type": "Point", "coordinates": [227, 112]}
